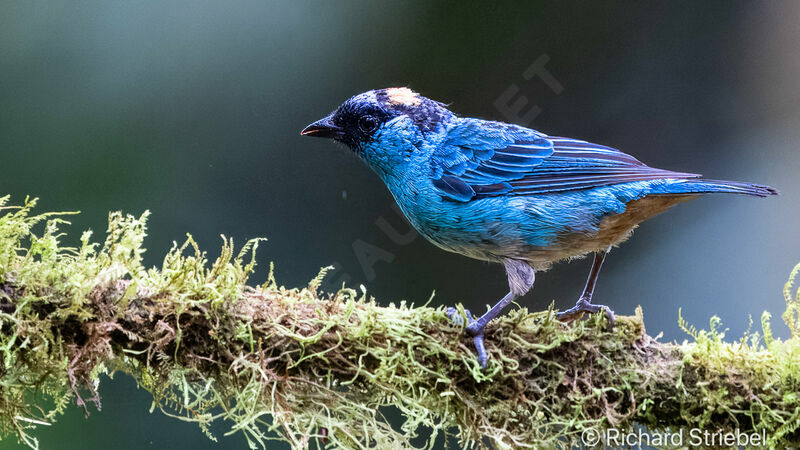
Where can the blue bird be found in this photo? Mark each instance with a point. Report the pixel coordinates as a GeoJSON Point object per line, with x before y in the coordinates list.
{"type": "Point", "coordinates": [508, 194]}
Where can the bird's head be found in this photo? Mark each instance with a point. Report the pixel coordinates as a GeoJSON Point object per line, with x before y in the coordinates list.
{"type": "Point", "coordinates": [382, 126]}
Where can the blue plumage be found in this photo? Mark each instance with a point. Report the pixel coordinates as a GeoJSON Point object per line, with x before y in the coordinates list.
{"type": "Point", "coordinates": [505, 193]}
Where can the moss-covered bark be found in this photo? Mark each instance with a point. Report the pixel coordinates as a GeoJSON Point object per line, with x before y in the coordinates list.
{"type": "Point", "coordinates": [302, 364]}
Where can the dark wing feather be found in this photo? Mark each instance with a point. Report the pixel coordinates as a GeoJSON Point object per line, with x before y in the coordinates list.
{"type": "Point", "coordinates": [481, 159]}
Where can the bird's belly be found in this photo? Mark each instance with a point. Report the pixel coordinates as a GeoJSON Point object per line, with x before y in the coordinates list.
{"type": "Point", "coordinates": [540, 230]}
{"type": "Point", "coordinates": [611, 230]}
{"type": "Point", "coordinates": [489, 229]}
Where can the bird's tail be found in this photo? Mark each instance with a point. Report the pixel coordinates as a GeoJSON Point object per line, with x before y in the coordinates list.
{"type": "Point", "coordinates": [701, 186]}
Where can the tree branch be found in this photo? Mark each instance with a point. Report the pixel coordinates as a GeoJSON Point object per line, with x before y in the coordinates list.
{"type": "Point", "coordinates": [304, 366]}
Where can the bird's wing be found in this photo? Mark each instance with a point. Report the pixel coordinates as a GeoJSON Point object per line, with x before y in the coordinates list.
{"type": "Point", "coordinates": [479, 159]}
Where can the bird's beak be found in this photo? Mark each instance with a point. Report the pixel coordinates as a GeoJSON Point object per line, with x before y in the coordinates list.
{"type": "Point", "coordinates": [323, 128]}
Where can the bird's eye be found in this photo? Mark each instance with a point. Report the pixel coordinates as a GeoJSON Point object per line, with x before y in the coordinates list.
{"type": "Point", "coordinates": [367, 124]}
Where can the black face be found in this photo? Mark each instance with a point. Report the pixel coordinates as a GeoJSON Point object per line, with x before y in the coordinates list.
{"type": "Point", "coordinates": [357, 119]}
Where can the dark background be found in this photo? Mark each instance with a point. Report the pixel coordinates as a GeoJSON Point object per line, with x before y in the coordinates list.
{"type": "Point", "coordinates": [192, 110]}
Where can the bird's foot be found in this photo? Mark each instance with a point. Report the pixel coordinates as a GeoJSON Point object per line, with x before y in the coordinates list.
{"type": "Point", "coordinates": [456, 318]}
{"type": "Point", "coordinates": [585, 305]}
{"type": "Point", "coordinates": [473, 329]}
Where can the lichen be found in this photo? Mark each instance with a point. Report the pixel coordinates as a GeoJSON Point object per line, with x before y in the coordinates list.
{"type": "Point", "coordinates": [299, 365]}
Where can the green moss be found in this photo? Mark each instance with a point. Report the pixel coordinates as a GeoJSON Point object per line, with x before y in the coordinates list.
{"type": "Point", "coordinates": [278, 363]}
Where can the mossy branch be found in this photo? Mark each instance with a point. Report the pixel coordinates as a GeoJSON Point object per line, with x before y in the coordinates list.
{"type": "Point", "coordinates": [298, 365]}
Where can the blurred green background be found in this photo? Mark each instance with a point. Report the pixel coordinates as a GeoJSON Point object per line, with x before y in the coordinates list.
{"type": "Point", "coordinates": [192, 109]}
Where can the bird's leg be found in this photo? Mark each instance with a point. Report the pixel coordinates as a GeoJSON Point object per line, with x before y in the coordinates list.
{"type": "Point", "coordinates": [520, 279]}
{"type": "Point", "coordinates": [584, 304]}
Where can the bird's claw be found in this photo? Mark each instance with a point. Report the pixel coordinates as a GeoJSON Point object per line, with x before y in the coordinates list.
{"type": "Point", "coordinates": [586, 306]}
{"type": "Point", "coordinates": [456, 318]}
{"type": "Point", "coordinates": [473, 329]}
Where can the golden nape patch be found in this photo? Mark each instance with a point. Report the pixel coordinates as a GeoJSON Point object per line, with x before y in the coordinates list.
{"type": "Point", "coordinates": [403, 96]}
